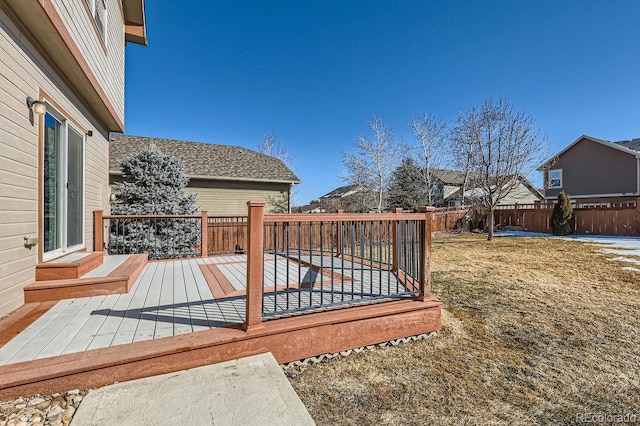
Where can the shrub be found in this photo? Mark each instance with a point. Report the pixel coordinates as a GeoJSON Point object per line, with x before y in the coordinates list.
{"type": "Point", "coordinates": [154, 185]}
{"type": "Point", "coordinates": [561, 218]}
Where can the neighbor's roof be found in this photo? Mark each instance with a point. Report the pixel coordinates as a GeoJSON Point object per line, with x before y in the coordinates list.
{"type": "Point", "coordinates": [630, 146]}
{"type": "Point", "coordinates": [344, 191]}
{"type": "Point", "coordinates": [204, 160]}
{"type": "Point", "coordinates": [448, 177]}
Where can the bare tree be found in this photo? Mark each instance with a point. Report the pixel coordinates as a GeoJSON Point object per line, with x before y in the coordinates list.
{"type": "Point", "coordinates": [373, 162]}
{"type": "Point", "coordinates": [501, 145]}
{"type": "Point", "coordinates": [271, 147]}
{"type": "Point", "coordinates": [429, 134]}
{"type": "Point", "coordinates": [461, 149]}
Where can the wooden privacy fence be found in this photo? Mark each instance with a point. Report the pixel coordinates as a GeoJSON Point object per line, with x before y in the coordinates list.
{"type": "Point", "coordinates": [228, 234]}
{"type": "Point", "coordinates": [616, 218]}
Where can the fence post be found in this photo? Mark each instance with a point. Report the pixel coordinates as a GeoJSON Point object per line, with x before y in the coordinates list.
{"type": "Point", "coordinates": [339, 235]}
{"type": "Point", "coordinates": [98, 237]}
{"type": "Point", "coordinates": [204, 237]}
{"type": "Point", "coordinates": [255, 265]}
{"type": "Point", "coordinates": [395, 247]}
{"type": "Point", "coordinates": [425, 253]}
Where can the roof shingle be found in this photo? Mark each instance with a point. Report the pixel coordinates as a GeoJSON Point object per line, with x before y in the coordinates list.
{"type": "Point", "coordinates": [204, 160]}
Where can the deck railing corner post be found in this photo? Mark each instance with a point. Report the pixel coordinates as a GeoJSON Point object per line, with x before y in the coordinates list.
{"type": "Point", "coordinates": [425, 255]}
{"type": "Point", "coordinates": [98, 237]}
{"type": "Point", "coordinates": [255, 259]}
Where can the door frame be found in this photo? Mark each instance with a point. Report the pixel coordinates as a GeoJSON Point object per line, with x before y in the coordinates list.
{"type": "Point", "coordinates": [67, 122]}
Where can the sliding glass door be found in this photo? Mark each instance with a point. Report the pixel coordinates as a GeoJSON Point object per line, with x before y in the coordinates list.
{"type": "Point", "coordinates": [63, 188]}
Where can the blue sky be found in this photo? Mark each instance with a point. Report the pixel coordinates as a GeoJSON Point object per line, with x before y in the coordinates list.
{"type": "Point", "coordinates": [314, 73]}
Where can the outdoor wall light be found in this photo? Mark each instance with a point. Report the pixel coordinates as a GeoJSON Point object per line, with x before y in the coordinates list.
{"type": "Point", "coordinates": [38, 107]}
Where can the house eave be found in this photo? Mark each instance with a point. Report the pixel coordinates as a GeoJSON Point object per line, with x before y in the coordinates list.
{"type": "Point", "coordinates": [135, 22]}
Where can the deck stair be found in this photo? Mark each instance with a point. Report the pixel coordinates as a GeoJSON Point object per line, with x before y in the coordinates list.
{"type": "Point", "coordinates": [71, 266]}
{"type": "Point", "coordinates": [83, 275]}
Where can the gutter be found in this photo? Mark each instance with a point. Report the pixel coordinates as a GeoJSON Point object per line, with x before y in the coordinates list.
{"type": "Point", "coordinates": [226, 178]}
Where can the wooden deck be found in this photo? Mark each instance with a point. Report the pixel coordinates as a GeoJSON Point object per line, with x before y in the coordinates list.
{"type": "Point", "coordinates": [171, 298]}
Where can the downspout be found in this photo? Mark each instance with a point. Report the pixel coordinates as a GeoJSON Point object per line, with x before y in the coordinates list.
{"type": "Point", "coordinates": [289, 198]}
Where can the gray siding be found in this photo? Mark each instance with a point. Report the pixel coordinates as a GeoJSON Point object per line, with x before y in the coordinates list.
{"type": "Point", "coordinates": [24, 72]}
{"type": "Point", "coordinates": [590, 168]}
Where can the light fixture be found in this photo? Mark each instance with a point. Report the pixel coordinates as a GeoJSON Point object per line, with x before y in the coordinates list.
{"type": "Point", "coordinates": [38, 107]}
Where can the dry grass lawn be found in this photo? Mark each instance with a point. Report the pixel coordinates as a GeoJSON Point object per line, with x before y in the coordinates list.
{"type": "Point", "coordinates": [535, 331]}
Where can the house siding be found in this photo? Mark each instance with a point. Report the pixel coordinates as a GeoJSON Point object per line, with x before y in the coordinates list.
{"type": "Point", "coordinates": [520, 195]}
{"type": "Point", "coordinates": [220, 198]}
{"type": "Point", "coordinates": [25, 72]}
{"type": "Point", "coordinates": [230, 198]}
{"type": "Point", "coordinates": [105, 58]}
{"type": "Point", "coordinates": [590, 168]}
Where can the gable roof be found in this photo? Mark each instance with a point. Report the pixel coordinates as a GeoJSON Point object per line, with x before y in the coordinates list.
{"type": "Point", "coordinates": [448, 177]}
{"type": "Point", "coordinates": [344, 191]}
{"type": "Point", "coordinates": [631, 146]}
{"type": "Point", "coordinates": [204, 160]}
{"type": "Point", "coordinates": [473, 191]}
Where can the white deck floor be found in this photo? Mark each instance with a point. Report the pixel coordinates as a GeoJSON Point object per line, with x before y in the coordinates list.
{"type": "Point", "coordinates": [172, 298]}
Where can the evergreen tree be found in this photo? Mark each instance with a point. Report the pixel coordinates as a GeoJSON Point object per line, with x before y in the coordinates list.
{"type": "Point", "coordinates": [154, 184]}
{"type": "Point", "coordinates": [407, 189]}
{"type": "Point", "coordinates": [561, 223]}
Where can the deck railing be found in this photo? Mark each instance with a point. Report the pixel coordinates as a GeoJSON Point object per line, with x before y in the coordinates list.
{"type": "Point", "coordinates": [322, 261]}
{"type": "Point", "coordinates": [159, 236]}
{"type": "Point", "coordinates": [296, 263]}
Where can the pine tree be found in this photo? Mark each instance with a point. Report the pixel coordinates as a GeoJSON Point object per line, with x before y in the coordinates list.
{"type": "Point", "coordinates": [407, 187]}
{"type": "Point", "coordinates": [561, 223]}
{"type": "Point", "coordinates": [154, 184]}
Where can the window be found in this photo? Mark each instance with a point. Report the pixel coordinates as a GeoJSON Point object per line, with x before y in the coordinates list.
{"type": "Point", "coordinates": [63, 189]}
{"type": "Point", "coordinates": [98, 9]}
{"type": "Point", "coordinates": [555, 179]}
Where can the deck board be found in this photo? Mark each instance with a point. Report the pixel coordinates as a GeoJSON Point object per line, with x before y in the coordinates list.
{"type": "Point", "coordinates": [25, 338]}
{"type": "Point", "coordinates": [90, 327]}
{"type": "Point", "coordinates": [130, 316]}
{"type": "Point", "coordinates": [164, 323]}
{"type": "Point", "coordinates": [47, 335]}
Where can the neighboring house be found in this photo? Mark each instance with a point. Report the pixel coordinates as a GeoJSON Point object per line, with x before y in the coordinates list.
{"type": "Point", "coordinates": [449, 185]}
{"type": "Point", "coordinates": [68, 57]}
{"type": "Point", "coordinates": [309, 208]}
{"type": "Point", "coordinates": [224, 177]}
{"type": "Point", "coordinates": [350, 198]}
{"type": "Point", "coordinates": [592, 169]}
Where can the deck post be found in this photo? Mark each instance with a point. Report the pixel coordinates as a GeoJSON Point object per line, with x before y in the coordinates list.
{"type": "Point", "coordinates": [339, 235]}
{"type": "Point", "coordinates": [255, 265]}
{"type": "Point", "coordinates": [204, 235]}
{"type": "Point", "coordinates": [425, 253]}
{"type": "Point", "coordinates": [395, 247]}
{"type": "Point", "coordinates": [98, 238]}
